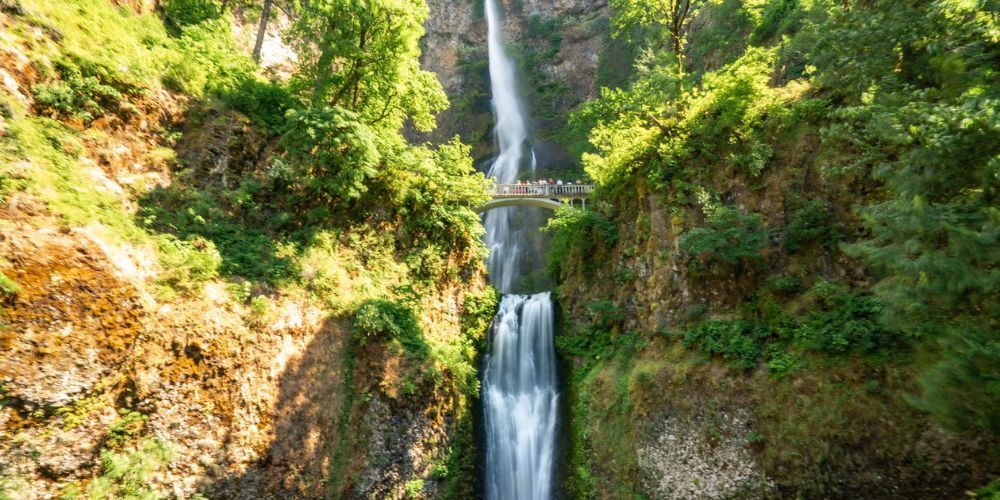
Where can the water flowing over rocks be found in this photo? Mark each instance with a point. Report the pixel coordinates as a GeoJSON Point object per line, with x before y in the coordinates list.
{"type": "Point", "coordinates": [521, 400]}
{"type": "Point", "coordinates": [520, 397]}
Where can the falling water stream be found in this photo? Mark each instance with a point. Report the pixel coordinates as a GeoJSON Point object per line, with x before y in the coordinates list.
{"type": "Point", "coordinates": [520, 396]}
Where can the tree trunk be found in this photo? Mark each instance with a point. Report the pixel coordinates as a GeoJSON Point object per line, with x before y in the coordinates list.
{"type": "Point", "coordinates": [266, 13]}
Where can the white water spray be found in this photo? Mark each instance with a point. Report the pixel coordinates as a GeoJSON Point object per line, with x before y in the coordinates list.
{"type": "Point", "coordinates": [520, 399]}
{"type": "Point", "coordinates": [519, 383]}
{"type": "Point", "coordinates": [511, 132]}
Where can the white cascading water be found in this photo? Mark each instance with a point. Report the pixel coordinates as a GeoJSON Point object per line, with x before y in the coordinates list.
{"type": "Point", "coordinates": [520, 396]}
{"type": "Point", "coordinates": [520, 400]}
{"type": "Point", "coordinates": [511, 132]}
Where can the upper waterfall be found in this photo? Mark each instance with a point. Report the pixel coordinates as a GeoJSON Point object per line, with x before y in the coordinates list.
{"type": "Point", "coordinates": [511, 126]}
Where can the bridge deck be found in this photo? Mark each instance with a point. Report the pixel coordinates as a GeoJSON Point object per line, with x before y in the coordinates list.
{"type": "Point", "coordinates": [550, 191]}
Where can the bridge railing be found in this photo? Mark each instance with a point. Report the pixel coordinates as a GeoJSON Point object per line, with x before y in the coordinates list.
{"type": "Point", "coordinates": [541, 190]}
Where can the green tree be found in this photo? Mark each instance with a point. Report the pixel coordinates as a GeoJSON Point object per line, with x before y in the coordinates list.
{"type": "Point", "coordinates": [364, 56]}
{"type": "Point", "coordinates": [631, 16]}
{"type": "Point", "coordinates": [924, 90]}
{"type": "Point", "coordinates": [333, 154]}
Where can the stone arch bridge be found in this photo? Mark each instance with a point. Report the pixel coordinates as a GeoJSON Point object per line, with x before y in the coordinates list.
{"type": "Point", "coordinates": [547, 196]}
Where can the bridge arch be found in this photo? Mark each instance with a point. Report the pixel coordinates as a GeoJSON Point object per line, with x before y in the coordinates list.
{"type": "Point", "coordinates": [519, 202]}
{"type": "Point", "coordinates": [550, 196]}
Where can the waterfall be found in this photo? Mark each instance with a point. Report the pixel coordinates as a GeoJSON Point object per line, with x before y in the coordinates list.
{"type": "Point", "coordinates": [511, 133]}
{"type": "Point", "coordinates": [520, 400]}
{"type": "Point", "coordinates": [519, 382]}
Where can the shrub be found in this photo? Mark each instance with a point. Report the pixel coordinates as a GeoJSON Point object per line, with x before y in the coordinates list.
{"type": "Point", "coordinates": [264, 102]}
{"type": "Point", "coordinates": [8, 286]}
{"type": "Point", "coordinates": [207, 60]}
{"type": "Point", "coordinates": [604, 315]}
{"type": "Point", "coordinates": [845, 322]}
{"type": "Point", "coordinates": [181, 13]}
{"type": "Point", "coordinates": [814, 222]}
{"type": "Point", "coordinates": [86, 90]}
{"type": "Point", "coordinates": [187, 263]}
{"type": "Point", "coordinates": [577, 233]}
{"type": "Point", "coordinates": [731, 238]}
{"type": "Point", "coordinates": [127, 474]}
{"type": "Point", "coordinates": [963, 389]}
{"type": "Point", "coordinates": [130, 424]}
{"type": "Point", "coordinates": [259, 306]}
{"type": "Point", "coordinates": [625, 274]}
{"type": "Point", "coordinates": [387, 320]}
{"type": "Point", "coordinates": [779, 17]}
{"type": "Point", "coordinates": [414, 488]}
{"type": "Point", "coordinates": [333, 153]}
{"type": "Point", "coordinates": [781, 363]}
{"type": "Point", "coordinates": [478, 311]}
{"type": "Point", "coordinates": [738, 341]}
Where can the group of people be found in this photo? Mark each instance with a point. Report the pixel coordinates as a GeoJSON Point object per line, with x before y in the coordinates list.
{"type": "Point", "coordinates": [541, 186]}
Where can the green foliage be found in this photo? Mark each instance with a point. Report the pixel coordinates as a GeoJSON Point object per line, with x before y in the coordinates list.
{"type": "Point", "coordinates": [433, 191]}
{"type": "Point", "coordinates": [385, 320]}
{"type": "Point", "coordinates": [259, 306]}
{"type": "Point", "coordinates": [241, 233]}
{"type": "Point", "coordinates": [129, 424]}
{"type": "Point", "coordinates": [85, 90]}
{"type": "Point", "coordinates": [845, 322]}
{"type": "Point", "coordinates": [723, 37]}
{"type": "Point", "coordinates": [727, 110]}
{"type": "Point", "coordinates": [600, 337]}
{"type": "Point", "coordinates": [181, 13]}
{"type": "Point", "coordinates": [963, 390]}
{"type": "Point", "coordinates": [990, 491]}
{"type": "Point", "coordinates": [478, 311]}
{"type": "Point", "coordinates": [414, 488]}
{"type": "Point", "coordinates": [333, 155]}
{"type": "Point", "coordinates": [662, 19]}
{"type": "Point", "coordinates": [207, 61]}
{"type": "Point", "coordinates": [731, 238]}
{"type": "Point", "coordinates": [127, 474]}
{"type": "Point", "coordinates": [187, 263]}
{"type": "Point", "coordinates": [266, 103]}
{"type": "Point", "coordinates": [781, 363]}
{"type": "Point", "coordinates": [577, 234]}
{"type": "Point", "coordinates": [364, 57]}
{"type": "Point", "coordinates": [8, 286]}
{"type": "Point", "coordinates": [625, 274]}
{"type": "Point", "coordinates": [780, 17]}
{"type": "Point", "coordinates": [924, 116]}
{"type": "Point", "coordinates": [812, 223]}
{"type": "Point", "coordinates": [738, 341]}
{"type": "Point", "coordinates": [645, 129]}
{"type": "Point", "coordinates": [542, 42]}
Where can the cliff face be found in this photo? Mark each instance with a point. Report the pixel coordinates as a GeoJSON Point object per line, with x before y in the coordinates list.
{"type": "Point", "coordinates": [558, 46]}
{"type": "Point", "coordinates": [250, 402]}
{"type": "Point", "coordinates": [651, 414]}
{"type": "Point", "coordinates": [768, 374]}
{"type": "Point", "coordinates": [130, 365]}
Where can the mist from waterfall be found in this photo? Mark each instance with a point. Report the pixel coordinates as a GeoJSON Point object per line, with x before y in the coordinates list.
{"type": "Point", "coordinates": [520, 397]}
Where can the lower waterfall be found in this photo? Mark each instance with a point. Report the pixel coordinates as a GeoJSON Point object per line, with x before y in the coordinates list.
{"type": "Point", "coordinates": [520, 399]}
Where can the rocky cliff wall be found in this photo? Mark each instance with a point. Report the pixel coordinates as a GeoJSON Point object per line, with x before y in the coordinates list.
{"type": "Point", "coordinates": [559, 46]}
{"type": "Point", "coordinates": [120, 375]}
{"type": "Point", "coordinates": [658, 404]}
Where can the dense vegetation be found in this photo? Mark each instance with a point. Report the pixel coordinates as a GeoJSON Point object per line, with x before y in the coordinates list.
{"type": "Point", "coordinates": [783, 139]}
{"type": "Point", "coordinates": [332, 206]}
